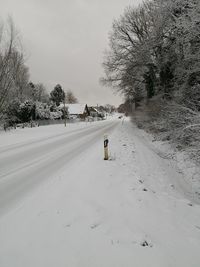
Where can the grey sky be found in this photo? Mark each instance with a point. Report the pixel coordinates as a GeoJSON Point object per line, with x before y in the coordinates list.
{"type": "Point", "coordinates": [64, 42]}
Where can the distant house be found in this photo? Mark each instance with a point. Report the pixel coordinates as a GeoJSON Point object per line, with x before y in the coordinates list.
{"type": "Point", "coordinates": [77, 110]}
{"type": "Point", "coordinates": [94, 112]}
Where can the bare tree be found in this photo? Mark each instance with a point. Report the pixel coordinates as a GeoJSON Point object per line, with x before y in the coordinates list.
{"type": "Point", "coordinates": [21, 80]}
{"type": "Point", "coordinates": [70, 98]}
{"type": "Point", "coordinates": [36, 92]}
{"type": "Point", "coordinates": [133, 63]}
{"type": "Point", "coordinates": [11, 60]}
{"type": "Point", "coordinates": [131, 54]}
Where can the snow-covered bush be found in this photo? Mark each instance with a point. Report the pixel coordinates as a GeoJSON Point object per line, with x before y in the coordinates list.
{"type": "Point", "coordinates": [11, 115]}
{"type": "Point", "coordinates": [20, 112]}
{"type": "Point", "coordinates": [170, 121]}
{"type": "Point", "coordinates": [55, 112]}
{"type": "Point", "coordinates": [42, 111]}
{"type": "Point", "coordinates": [56, 115]}
{"type": "Point", "coordinates": [26, 111]}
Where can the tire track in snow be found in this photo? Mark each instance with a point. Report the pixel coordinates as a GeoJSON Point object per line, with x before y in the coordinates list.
{"type": "Point", "coordinates": [10, 162]}
{"type": "Point", "coordinates": [21, 145]}
{"type": "Point", "coordinates": [18, 180]}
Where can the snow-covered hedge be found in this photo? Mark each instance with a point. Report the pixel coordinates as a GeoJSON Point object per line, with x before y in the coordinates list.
{"type": "Point", "coordinates": [42, 111]}
{"type": "Point", "coordinates": [56, 115]}
{"type": "Point", "coordinates": [170, 121]}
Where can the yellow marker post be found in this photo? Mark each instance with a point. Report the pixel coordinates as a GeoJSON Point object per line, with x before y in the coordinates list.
{"type": "Point", "coordinates": [105, 147]}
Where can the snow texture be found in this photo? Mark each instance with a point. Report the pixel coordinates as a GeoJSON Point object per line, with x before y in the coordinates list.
{"type": "Point", "coordinates": [82, 211]}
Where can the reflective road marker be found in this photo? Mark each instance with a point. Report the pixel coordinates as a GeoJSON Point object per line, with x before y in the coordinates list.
{"type": "Point", "coordinates": [105, 147]}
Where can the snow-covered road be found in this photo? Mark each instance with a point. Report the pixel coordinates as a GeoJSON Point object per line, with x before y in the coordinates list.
{"type": "Point", "coordinates": [63, 205]}
{"type": "Point", "coordinates": [25, 164]}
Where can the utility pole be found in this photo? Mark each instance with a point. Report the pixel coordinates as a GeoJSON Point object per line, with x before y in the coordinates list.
{"type": "Point", "coordinates": [65, 122]}
{"type": "Point", "coordinates": [33, 113]}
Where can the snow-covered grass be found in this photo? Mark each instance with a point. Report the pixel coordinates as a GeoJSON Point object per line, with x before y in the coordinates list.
{"type": "Point", "coordinates": [19, 135]}
{"type": "Point", "coordinates": [133, 210]}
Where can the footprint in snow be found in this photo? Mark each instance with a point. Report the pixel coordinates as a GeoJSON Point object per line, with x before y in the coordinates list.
{"type": "Point", "coordinates": [95, 225]}
{"type": "Point", "coordinates": [67, 226]}
{"type": "Point", "coordinates": [146, 243]}
{"type": "Point", "coordinates": [114, 242]}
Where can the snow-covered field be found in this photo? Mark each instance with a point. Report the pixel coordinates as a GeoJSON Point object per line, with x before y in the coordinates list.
{"type": "Point", "coordinates": [62, 205]}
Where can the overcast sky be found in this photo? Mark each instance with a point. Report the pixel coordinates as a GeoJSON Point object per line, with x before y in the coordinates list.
{"type": "Point", "coordinates": [64, 42]}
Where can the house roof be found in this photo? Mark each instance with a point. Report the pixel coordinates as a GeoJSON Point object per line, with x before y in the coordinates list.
{"type": "Point", "coordinates": [93, 109]}
{"type": "Point", "coordinates": [75, 109]}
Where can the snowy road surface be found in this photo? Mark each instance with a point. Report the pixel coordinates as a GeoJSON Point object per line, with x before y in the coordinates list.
{"type": "Point", "coordinates": [25, 165]}
{"type": "Point", "coordinates": [62, 205]}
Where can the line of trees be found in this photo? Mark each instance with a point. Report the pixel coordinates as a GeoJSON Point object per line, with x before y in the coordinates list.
{"type": "Point", "coordinates": [20, 99]}
{"type": "Point", "coordinates": [155, 49]}
{"type": "Point", "coordinates": [154, 61]}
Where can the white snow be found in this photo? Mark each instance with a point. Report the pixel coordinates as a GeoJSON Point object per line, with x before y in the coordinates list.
{"type": "Point", "coordinates": [87, 212]}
